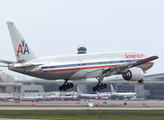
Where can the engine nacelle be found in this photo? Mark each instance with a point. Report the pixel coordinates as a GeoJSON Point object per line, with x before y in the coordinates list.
{"type": "Point", "coordinates": [133, 74]}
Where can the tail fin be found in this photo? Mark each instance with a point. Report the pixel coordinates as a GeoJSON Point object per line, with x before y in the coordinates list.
{"type": "Point", "coordinates": [112, 89]}
{"type": "Point", "coordinates": [21, 49]}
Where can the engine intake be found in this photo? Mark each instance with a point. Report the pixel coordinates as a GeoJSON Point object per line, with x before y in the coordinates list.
{"type": "Point", "coordinates": [133, 74]}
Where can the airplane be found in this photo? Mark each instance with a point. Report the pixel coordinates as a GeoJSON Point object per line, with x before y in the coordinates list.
{"type": "Point", "coordinates": [104, 95]}
{"type": "Point", "coordinates": [86, 96]}
{"type": "Point", "coordinates": [51, 97]}
{"type": "Point", "coordinates": [70, 97]}
{"type": "Point", "coordinates": [6, 97]}
{"type": "Point", "coordinates": [69, 93]}
{"type": "Point", "coordinates": [32, 98]}
{"type": "Point", "coordinates": [131, 64]}
{"type": "Point", "coordinates": [124, 95]}
{"type": "Point", "coordinates": [61, 97]}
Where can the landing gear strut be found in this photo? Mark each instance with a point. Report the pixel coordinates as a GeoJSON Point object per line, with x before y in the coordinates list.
{"type": "Point", "coordinates": [66, 86]}
{"type": "Point", "coordinates": [99, 86]}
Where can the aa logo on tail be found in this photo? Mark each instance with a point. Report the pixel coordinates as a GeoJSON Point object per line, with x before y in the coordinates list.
{"type": "Point", "coordinates": [22, 48]}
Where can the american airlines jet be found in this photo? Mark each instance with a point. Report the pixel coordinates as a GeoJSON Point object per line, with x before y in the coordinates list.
{"type": "Point", "coordinates": [86, 95]}
{"type": "Point", "coordinates": [100, 95]}
{"type": "Point", "coordinates": [131, 64]}
{"type": "Point", "coordinates": [125, 95]}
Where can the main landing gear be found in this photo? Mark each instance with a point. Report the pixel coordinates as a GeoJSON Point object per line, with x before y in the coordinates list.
{"type": "Point", "coordinates": [66, 86]}
{"type": "Point", "coordinates": [99, 86]}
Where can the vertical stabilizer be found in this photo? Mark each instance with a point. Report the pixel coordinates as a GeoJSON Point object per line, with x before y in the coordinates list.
{"type": "Point", "coordinates": [112, 89]}
{"type": "Point", "coordinates": [78, 91]}
{"type": "Point", "coordinates": [21, 49]}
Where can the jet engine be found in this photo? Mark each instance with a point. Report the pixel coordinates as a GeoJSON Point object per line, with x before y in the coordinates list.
{"type": "Point", "coordinates": [133, 74]}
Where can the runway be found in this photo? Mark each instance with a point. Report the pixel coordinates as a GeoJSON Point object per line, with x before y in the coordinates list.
{"type": "Point", "coordinates": [81, 105]}
{"type": "Point", "coordinates": [79, 108]}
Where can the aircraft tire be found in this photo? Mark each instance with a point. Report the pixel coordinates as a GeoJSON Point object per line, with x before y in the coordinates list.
{"type": "Point", "coordinates": [71, 85]}
{"type": "Point", "coordinates": [64, 87]}
{"type": "Point", "coordinates": [68, 86]}
{"type": "Point", "coordinates": [141, 81]}
{"type": "Point", "coordinates": [98, 88]}
{"type": "Point", "coordinates": [102, 86]}
{"type": "Point", "coordinates": [105, 85]}
{"type": "Point", "coordinates": [60, 88]}
{"type": "Point", "coordinates": [94, 88]}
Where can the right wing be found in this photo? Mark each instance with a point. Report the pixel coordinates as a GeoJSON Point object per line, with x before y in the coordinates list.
{"type": "Point", "coordinates": [118, 69]}
{"type": "Point", "coordinates": [123, 68]}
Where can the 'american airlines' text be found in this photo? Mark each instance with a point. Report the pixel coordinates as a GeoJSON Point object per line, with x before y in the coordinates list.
{"type": "Point", "coordinates": [134, 56]}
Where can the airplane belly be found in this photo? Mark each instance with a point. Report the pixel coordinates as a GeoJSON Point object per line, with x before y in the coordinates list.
{"type": "Point", "coordinates": [45, 75]}
{"type": "Point", "coordinates": [53, 75]}
{"type": "Point", "coordinates": [78, 75]}
{"type": "Point", "coordinates": [81, 74]}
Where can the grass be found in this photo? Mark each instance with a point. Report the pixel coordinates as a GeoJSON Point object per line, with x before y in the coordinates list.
{"type": "Point", "coordinates": [85, 114]}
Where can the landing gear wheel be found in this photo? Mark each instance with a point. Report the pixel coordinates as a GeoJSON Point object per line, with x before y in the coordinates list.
{"type": "Point", "coordinates": [71, 85]}
{"type": "Point", "coordinates": [141, 81]}
{"type": "Point", "coordinates": [66, 86]}
{"type": "Point", "coordinates": [105, 85]}
{"type": "Point", "coordinates": [102, 86]}
{"type": "Point", "coordinates": [94, 88]}
{"type": "Point", "coordinates": [60, 88]}
{"type": "Point", "coordinates": [99, 86]}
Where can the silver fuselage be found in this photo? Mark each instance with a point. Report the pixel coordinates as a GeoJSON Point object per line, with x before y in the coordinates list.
{"type": "Point", "coordinates": [74, 67]}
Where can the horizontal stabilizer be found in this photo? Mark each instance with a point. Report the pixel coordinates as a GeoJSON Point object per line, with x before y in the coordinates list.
{"type": "Point", "coordinates": [7, 61]}
{"type": "Point", "coordinates": [28, 65]}
{"type": "Point", "coordinates": [3, 66]}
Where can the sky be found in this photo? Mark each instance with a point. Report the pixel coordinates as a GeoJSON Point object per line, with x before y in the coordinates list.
{"type": "Point", "coordinates": [59, 27]}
